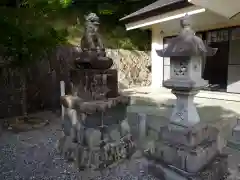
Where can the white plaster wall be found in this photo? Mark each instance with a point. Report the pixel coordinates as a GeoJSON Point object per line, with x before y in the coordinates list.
{"type": "Point", "coordinates": [233, 79]}
{"type": "Point", "coordinates": [157, 62]}
{"type": "Point", "coordinates": [166, 62]}
{"type": "Point", "coordinates": [234, 67]}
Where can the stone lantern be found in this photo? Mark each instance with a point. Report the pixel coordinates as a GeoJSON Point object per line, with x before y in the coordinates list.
{"type": "Point", "coordinates": [186, 148]}
{"type": "Point", "coordinates": [186, 53]}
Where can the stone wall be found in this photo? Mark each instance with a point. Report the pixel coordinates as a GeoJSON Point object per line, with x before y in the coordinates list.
{"type": "Point", "coordinates": [132, 67]}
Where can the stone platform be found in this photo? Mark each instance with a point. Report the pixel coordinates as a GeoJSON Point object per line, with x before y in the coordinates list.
{"type": "Point", "coordinates": [189, 160]}
{"type": "Point", "coordinates": [189, 149]}
{"type": "Point", "coordinates": [217, 169]}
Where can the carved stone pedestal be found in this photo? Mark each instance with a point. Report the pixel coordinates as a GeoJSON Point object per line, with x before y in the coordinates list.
{"type": "Point", "coordinates": [188, 153]}
{"type": "Point", "coordinates": [94, 82]}
{"type": "Point", "coordinates": [90, 138]}
{"type": "Point", "coordinates": [234, 140]}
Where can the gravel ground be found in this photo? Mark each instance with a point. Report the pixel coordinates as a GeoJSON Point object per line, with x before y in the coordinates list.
{"type": "Point", "coordinates": [32, 155]}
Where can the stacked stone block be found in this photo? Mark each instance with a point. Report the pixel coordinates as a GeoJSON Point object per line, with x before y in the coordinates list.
{"type": "Point", "coordinates": [189, 150]}
{"type": "Point", "coordinates": [94, 142]}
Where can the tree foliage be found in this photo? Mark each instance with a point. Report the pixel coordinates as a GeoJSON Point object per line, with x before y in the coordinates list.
{"type": "Point", "coordinates": [110, 11]}
{"type": "Point", "coordinates": [115, 9]}
{"type": "Point", "coordinates": [25, 33]}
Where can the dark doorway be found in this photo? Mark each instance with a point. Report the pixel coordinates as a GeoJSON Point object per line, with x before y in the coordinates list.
{"type": "Point", "coordinates": [216, 67]}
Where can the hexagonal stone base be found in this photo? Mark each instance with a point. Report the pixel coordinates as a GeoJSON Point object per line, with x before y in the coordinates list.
{"type": "Point", "coordinates": [233, 143]}
{"type": "Point", "coordinates": [217, 169]}
{"type": "Point", "coordinates": [234, 140]}
{"type": "Point", "coordinates": [188, 136]}
{"type": "Point", "coordinates": [236, 132]}
{"type": "Point", "coordinates": [188, 159]}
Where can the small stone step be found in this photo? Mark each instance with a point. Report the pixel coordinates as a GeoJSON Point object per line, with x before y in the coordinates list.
{"type": "Point", "coordinates": [236, 132]}
{"type": "Point", "coordinates": [185, 158]}
{"type": "Point", "coordinates": [234, 140]}
{"type": "Point", "coordinates": [215, 170]}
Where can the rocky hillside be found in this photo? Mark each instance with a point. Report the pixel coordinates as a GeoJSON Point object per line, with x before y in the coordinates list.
{"type": "Point", "coordinates": [132, 67]}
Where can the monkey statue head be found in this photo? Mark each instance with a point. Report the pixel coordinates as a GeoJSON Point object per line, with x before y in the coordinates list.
{"type": "Point", "coordinates": [92, 21]}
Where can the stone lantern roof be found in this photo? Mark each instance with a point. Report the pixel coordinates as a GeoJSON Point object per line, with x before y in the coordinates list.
{"type": "Point", "coordinates": [186, 43]}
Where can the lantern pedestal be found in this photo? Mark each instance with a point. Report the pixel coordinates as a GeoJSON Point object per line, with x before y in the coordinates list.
{"type": "Point", "coordinates": [184, 152]}
{"type": "Point", "coordinates": [216, 170]}
{"type": "Point", "coordinates": [185, 111]}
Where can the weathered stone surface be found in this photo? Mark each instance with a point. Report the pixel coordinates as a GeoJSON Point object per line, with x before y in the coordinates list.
{"type": "Point", "coordinates": [125, 128]}
{"type": "Point", "coordinates": [92, 106]}
{"type": "Point", "coordinates": [217, 169]}
{"type": "Point", "coordinates": [184, 112]}
{"type": "Point", "coordinates": [94, 144]}
{"type": "Point", "coordinates": [234, 140]}
{"type": "Point", "coordinates": [88, 152]}
{"type": "Point", "coordinates": [93, 138]}
{"type": "Point", "coordinates": [93, 55]}
{"type": "Point", "coordinates": [236, 132]}
{"type": "Point", "coordinates": [188, 136]}
{"type": "Point", "coordinates": [70, 101]}
{"type": "Point", "coordinates": [184, 158]}
{"type": "Point", "coordinates": [97, 84]}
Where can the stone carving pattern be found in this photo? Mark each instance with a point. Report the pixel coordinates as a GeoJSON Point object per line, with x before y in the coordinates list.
{"type": "Point", "coordinates": [180, 113]}
{"type": "Point", "coordinates": [181, 69]}
{"type": "Point", "coordinates": [99, 86]}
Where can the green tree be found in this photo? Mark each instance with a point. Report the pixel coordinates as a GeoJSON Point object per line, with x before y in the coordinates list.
{"type": "Point", "coordinates": [26, 36]}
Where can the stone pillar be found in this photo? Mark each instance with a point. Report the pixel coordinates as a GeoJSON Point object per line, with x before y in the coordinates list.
{"type": "Point", "coordinates": [185, 111]}
{"type": "Point", "coordinates": [157, 62]}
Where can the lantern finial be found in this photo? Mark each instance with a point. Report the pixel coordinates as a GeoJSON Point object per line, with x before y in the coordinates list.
{"type": "Point", "coordinates": [185, 21]}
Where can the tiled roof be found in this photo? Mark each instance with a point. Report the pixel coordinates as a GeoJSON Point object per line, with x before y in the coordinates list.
{"type": "Point", "coordinates": [158, 5]}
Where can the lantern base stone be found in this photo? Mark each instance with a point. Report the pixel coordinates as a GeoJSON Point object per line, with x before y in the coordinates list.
{"type": "Point", "coordinates": [188, 136]}
{"type": "Point", "coordinates": [217, 169]}
{"type": "Point", "coordinates": [185, 112]}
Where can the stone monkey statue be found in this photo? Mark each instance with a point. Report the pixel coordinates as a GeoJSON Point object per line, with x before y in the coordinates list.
{"type": "Point", "coordinates": [91, 38]}
{"type": "Point", "coordinates": [93, 50]}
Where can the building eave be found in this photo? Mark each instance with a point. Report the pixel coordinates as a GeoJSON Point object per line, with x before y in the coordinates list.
{"type": "Point", "coordinates": [148, 22]}
{"type": "Point", "coordinates": [157, 11]}
{"type": "Point", "coordinates": [222, 7]}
